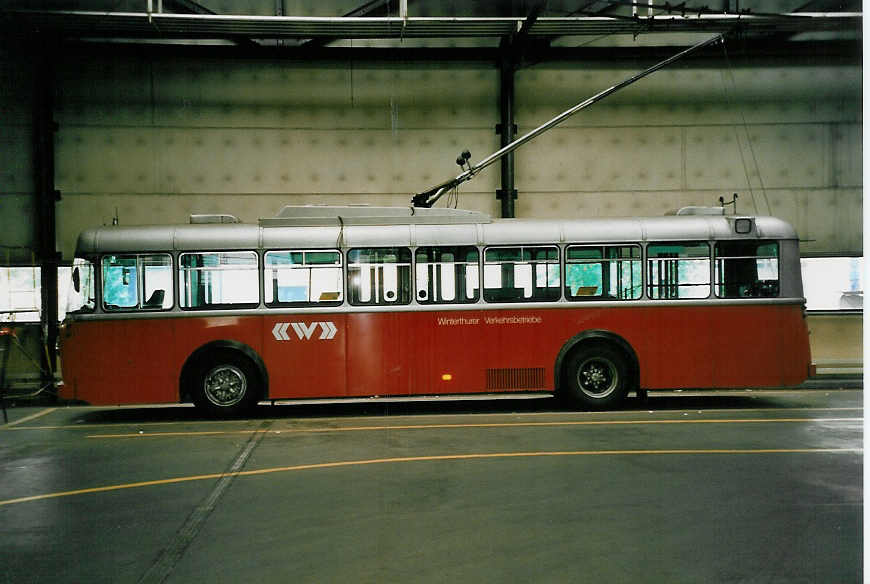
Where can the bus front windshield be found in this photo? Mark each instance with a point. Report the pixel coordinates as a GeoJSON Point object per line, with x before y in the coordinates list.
{"type": "Point", "coordinates": [81, 296]}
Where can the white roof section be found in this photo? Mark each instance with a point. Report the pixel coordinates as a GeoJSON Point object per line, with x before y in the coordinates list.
{"type": "Point", "coordinates": [311, 215]}
{"type": "Point", "coordinates": [401, 228]}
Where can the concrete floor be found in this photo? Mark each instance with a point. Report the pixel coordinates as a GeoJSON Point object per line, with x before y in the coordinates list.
{"type": "Point", "coordinates": [689, 487]}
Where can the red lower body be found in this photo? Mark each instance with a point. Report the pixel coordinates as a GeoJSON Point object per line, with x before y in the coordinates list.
{"type": "Point", "coordinates": [139, 360]}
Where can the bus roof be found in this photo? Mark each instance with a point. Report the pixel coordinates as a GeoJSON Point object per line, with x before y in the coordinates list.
{"type": "Point", "coordinates": [408, 227]}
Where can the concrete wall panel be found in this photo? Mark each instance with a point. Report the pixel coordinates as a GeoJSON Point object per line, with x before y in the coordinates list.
{"type": "Point", "coordinates": [17, 211]}
{"type": "Point", "coordinates": [161, 138]}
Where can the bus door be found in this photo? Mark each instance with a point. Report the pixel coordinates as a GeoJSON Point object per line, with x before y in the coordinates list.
{"type": "Point", "coordinates": [304, 350]}
{"type": "Point", "coordinates": [380, 343]}
{"type": "Point", "coordinates": [380, 353]}
{"type": "Point", "coordinates": [305, 355]}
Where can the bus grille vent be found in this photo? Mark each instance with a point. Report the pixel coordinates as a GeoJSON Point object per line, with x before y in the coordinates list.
{"type": "Point", "coordinates": [528, 378]}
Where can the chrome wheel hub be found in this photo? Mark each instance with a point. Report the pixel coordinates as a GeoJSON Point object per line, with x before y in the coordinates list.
{"type": "Point", "coordinates": [597, 377]}
{"type": "Point", "coordinates": [225, 385]}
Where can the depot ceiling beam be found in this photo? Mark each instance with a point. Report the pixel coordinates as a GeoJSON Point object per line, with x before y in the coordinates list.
{"type": "Point", "coordinates": [191, 7]}
{"type": "Point", "coordinates": [832, 52]}
{"type": "Point", "coordinates": [369, 9]}
{"type": "Point", "coordinates": [79, 24]}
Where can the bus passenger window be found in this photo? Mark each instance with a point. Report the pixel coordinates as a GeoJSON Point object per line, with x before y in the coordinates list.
{"type": "Point", "coordinates": [379, 276]}
{"type": "Point", "coordinates": [448, 274]}
{"type": "Point", "coordinates": [678, 270]}
{"type": "Point", "coordinates": [747, 269]}
{"type": "Point", "coordinates": [218, 279]}
{"type": "Point", "coordinates": [598, 272]}
{"type": "Point", "coordinates": [137, 281]}
{"type": "Point", "coordinates": [120, 282]}
{"type": "Point", "coordinates": [524, 274]}
{"type": "Point", "coordinates": [294, 278]}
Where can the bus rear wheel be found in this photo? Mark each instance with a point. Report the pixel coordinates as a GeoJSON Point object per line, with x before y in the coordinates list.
{"type": "Point", "coordinates": [226, 384]}
{"type": "Point", "coordinates": [596, 377]}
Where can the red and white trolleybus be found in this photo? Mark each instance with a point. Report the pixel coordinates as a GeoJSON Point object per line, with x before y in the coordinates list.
{"type": "Point", "coordinates": [342, 302]}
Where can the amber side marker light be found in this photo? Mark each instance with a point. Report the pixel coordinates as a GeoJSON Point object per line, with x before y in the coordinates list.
{"type": "Point", "coordinates": [446, 377]}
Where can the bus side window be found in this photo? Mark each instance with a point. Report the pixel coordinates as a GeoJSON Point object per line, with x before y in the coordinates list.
{"type": "Point", "coordinates": [523, 274]}
{"type": "Point", "coordinates": [678, 270]}
{"type": "Point", "coordinates": [133, 282]}
{"type": "Point", "coordinates": [747, 269]}
{"type": "Point", "coordinates": [294, 278]}
{"type": "Point", "coordinates": [120, 282]}
{"type": "Point", "coordinates": [379, 276]}
{"type": "Point", "coordinates": [448, 274]}
{"type": "Point", "coordinates": [611, 272]}
{"type": "Point", "coordinates": [218, 279]}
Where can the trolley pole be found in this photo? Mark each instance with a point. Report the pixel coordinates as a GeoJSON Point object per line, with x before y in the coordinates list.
{"type": "Point", "coordinates": [429, 197]}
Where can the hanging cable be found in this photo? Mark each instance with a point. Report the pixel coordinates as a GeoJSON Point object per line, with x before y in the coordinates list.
{"type": "Point", "coordinates": [732, 102]}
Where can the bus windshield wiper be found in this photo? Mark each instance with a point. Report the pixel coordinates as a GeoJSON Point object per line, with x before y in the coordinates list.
{"type": "Point", "coordinates": [428, 197]}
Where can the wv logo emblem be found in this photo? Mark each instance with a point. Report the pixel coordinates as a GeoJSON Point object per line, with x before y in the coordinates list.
{"type": "Point", "coordinates": [305, 332]}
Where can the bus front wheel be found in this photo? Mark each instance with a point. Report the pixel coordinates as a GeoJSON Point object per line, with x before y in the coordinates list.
{"type": "Point", "coordinates": [227, 384]}
{"type": "Point", "coordinates": [596, 376]}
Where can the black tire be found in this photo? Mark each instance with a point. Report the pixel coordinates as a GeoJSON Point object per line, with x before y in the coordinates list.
{"type": "Point", "coordinates": [226, 383]}
{"type": "Point", "coordinates": [596, 377]}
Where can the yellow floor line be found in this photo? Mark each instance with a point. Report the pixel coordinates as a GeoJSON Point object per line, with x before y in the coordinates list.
{"type": "Point", "coordinates": [446, 457]}
{"type": "Point", "coordinates": [28, 418]}
{"type": "Point", "coordinates": [142, 434]}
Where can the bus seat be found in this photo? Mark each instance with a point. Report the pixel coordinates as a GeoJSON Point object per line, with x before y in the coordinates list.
{"type": "Point", "coordinates": [156, 299]}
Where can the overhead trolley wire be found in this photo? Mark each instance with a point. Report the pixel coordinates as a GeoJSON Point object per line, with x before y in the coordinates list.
{"type": "Point", "coordinates": [728, 73]}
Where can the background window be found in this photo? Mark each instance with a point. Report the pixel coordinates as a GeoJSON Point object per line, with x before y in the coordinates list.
{"type": "Point", "coordinates": [302, 277]}
{"type": "Point", "coordinates": [833, 283]}
{"type": "Point", "coordinates": [134, 282]}
{"type": "Point", "coordinates": [747, 269]}
{"type": "Point", "coordinates": [521, 274]}
{"type": "Point", "coordinates": [21, 297]}
{"type": "Point", "coordinates": [678, 270]}
{"type": "Point", "coordinates": [609, 271]}
{"type": "Point", "coordinates": [218, 278]}
{"type": "Point", "coordinates": [379, 276]}
{"type": "Point", "coordinates": [447, 274]}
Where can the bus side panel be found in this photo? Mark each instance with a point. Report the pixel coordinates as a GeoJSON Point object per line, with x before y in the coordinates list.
{"type": "Point", "coordinates": [146, 345]}
{"type": "Point", "coordinates": [490, 351]}
{"type": "Point", "coordinates": [90, 363]}
{"type": "Point", "coordinates": [119, 361]}
{"type": "Point", "coordinates": [670, 351]}
{"type": "Point", "coordinates": [749, 346]}
{"type": "Point", "coordinates": [380, 353]}
{"type": "Point", "coordinates": [305, 355]}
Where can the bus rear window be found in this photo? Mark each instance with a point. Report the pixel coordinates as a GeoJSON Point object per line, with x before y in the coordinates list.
{"type": "Point", "coordinates": [521, 274]}
{"type": "Point", "coordinates": [611, 272]}
{"type": "Point", "coordinates": [137, 282]}
{"type": "Point", "coordinates": [379, 276]}
{"type": "Point", "coordinates": [218, 279]}
{"type": "Point", "coordinates": [300, 278]}
{"type": "Point", "coordinates": [747, 269]}
{"type": "Point", "coordinates": [678, 270]}
{"type": "Point", "coordinates": [448, 274]}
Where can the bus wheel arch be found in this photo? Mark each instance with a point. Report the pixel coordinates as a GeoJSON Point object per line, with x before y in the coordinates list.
{"type": "Point", "coordinates": [224, 378]}
{"type": "Point", "coordinates": [596, 369]}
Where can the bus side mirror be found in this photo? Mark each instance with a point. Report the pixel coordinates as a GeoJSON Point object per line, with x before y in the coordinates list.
{"type": "Point", "coordinates": [76, 280]}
